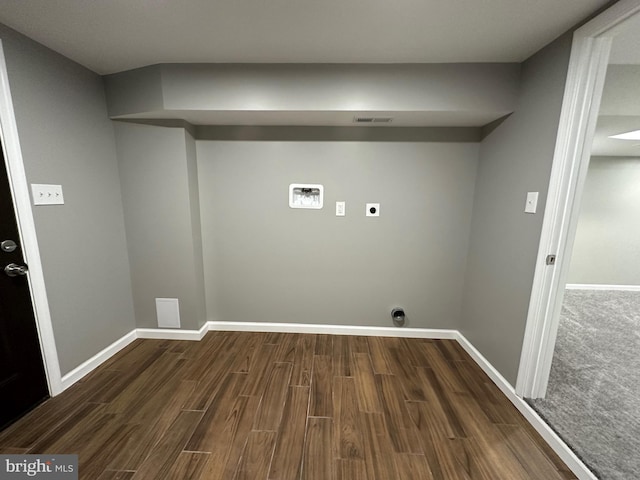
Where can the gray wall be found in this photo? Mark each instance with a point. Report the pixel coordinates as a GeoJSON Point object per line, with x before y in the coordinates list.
{"type": "Point", "coordinates": [138, 90]}
{"type": "Point", "coordinates": [457, 87]}
{"type": "Point", "coordinates": [607, 244]}
{"type": "Point", "coordinates": [158, 175]}
{"type": "Point", "coordinates": [67, 138]}
{"type": "Point", "coordinates": [620, 93]}
{"type": "Point", "coordinates": [515, 158]}
{"type": "Point", "coordinates": [263, 261]}
{"type": "Point", "coordinates": [482, 91]}
{"type": "Point", "coordinates": [266, 262]}
{"type": "Point", "coordinates": [196, 229]}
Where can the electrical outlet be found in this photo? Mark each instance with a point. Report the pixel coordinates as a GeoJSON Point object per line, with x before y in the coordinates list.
{"type": "Point", "coordinates": [372, 210]}
{"type": "Point", "coordinates": [47, 194]}
{"type": "Point", "coordinates": [340, 209]}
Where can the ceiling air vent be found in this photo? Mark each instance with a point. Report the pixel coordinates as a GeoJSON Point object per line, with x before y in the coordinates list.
{"type": "Point", "coordinates": [372, 120]}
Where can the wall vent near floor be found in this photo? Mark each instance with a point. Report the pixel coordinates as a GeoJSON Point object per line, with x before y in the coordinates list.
{"type": "Point", "coordinates": [168, 311]}
{"type": "Point", "coordinates": [372, 119]}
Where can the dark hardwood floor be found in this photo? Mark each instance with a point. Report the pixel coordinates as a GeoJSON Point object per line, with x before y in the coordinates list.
{"type": "Point", "coordinates": [288, 406]}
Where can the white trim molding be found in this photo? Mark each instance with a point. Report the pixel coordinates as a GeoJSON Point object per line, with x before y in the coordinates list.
{"type": "Point", "coordinates": [555, 442]}
{"type": "Point", "coordinates": [333, 329]}
{"type": "Point", "coordinates": [597, 286]}
{"type": "Point", "coordinates": [173, 334]}
{"type": "Point", "coordinates": [581, 103]}
{"type": "Point", "coordinates": [196, 335]}
{"type": "Point", "coordinates": [27, 229]}
{"type": "Point", "coordinates": [105, 354]}
{"type": "Point", "coordinates": [98, 359]}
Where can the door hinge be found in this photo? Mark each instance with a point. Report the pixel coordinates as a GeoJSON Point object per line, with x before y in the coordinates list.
{"type": "Point", "coordinates": [551, 260]}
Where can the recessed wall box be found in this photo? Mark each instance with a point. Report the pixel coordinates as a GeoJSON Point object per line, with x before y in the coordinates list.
{"type": "Point", "coordinates": [306, 195]}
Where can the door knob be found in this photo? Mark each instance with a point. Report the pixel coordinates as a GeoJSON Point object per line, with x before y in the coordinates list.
{"type": "Point", "coordinates": [8, 246]}
{"type": "Point", "coordinates": [15, 270]}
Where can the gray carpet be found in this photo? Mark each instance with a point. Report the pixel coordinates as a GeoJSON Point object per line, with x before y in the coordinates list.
{"type": "Point", "coordinates": [593, 400]}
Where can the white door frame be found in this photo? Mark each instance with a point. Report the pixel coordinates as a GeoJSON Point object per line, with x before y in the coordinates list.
{"type": "Point", "coordinates": [580, 106]}
{"type": "Point", "coordinates": [26, 227]}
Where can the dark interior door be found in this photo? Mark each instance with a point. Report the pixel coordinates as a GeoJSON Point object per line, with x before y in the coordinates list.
{"type": "Point", "coordinates": [23, 382]}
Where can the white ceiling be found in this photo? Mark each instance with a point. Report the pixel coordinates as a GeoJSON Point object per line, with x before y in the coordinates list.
{"type": "Point", "coordinates": [109, 36]}
{"type": "Point", "coordinates": [116, 35]}
{"type": "Point", "coordinates": [612, 147]}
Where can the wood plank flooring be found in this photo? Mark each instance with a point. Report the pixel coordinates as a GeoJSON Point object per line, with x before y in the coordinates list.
{"type": "Point", "coordinates": [277, 406]}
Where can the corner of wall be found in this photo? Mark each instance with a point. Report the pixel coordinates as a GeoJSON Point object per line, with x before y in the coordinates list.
{"type": "Point", "coordinates": [161, 203]}
{"type": "Point", "coordinates": [515, 158]}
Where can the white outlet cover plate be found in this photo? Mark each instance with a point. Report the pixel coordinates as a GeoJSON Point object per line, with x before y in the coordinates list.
{"type": "Point", "coordinates": [531, 205]}
{"type": "Point", "coordinates": [340, 209]}
{"type": "Point", "coordinates": [376, 210]}
{"type": "Point", "coordinates": [47, 194]}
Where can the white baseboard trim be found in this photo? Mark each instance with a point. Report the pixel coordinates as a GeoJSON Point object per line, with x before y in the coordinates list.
{"type": "Point", "coordinates": [196, 335]}
{"type": "Point", "coordinates": [556, 443]}
{"type": "Point", "coordinates": [105, 354]}
{"type": "Point", "coordinates": [593, 286]}
{"type": "Point", "coordinates": [98, 359]}
{"type": "Point", "coordinates": [173, 334]}
{"type": "Point", "coordinates": [333, 329]}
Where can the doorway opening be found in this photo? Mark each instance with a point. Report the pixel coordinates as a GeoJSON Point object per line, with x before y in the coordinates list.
{"type": "Point", "coordinates": [583, 92]}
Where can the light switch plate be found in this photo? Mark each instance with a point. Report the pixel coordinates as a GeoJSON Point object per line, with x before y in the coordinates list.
{"type": "Point", "coordinates": [372, 210]}
{"type": "Point", "coordinates": [532, 202]}
{"type": "Point", "coordinates": [47, 194]}
{"type": "Point", "coordinates": [340, 209]}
